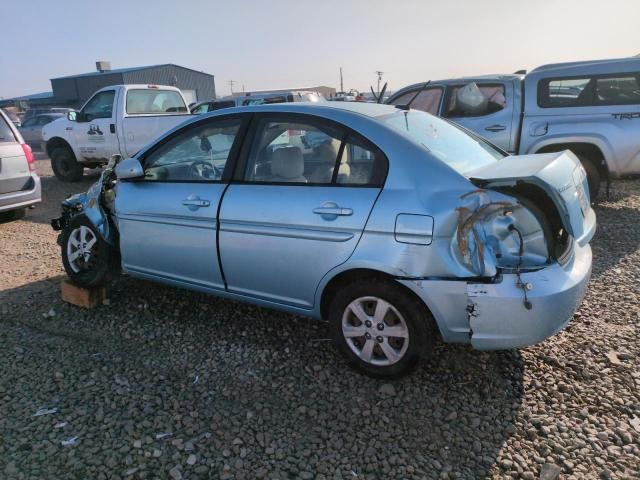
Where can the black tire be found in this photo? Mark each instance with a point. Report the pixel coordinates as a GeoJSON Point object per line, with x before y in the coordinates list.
{"type": "Point", "coordinates": [13, 215]}
{"type": "Point", "coordinates": [64, 165]}
{"type": "Point", "coordinates": [99, 264]}
{"type": "Point", "coordinates": [419, 324]}
{"type": "Point", "coordinates": [593, 178]}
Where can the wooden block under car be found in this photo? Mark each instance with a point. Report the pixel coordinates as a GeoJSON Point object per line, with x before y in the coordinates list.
{"type": "Point", "coordinates": [82, 297]}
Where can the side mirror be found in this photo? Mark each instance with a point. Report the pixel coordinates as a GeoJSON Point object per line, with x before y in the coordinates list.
{"type": "Point", "coordinates": [71, 116]}
{"type": "Point", "coordinates": [129, 168]}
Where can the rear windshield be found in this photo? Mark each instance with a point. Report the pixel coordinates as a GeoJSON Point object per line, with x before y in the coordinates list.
{"type": "Point", "coordinates": [155, 101]}
{"type": "Point", "coordinates": [460, 150]}
{"type": "Point", "coordinates": [6, 134]}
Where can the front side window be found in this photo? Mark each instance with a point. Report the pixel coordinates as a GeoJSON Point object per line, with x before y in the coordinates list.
{"type": "Point", "coordinates": [100, 106]}
{"type": "Point", "coordinates": [428, 100]}
{"type": "Point", "coordinates": [617, 89]}
{"type": "Point", "coordinates": [445, 141]}
{"type": "Point", "coordinates": [154, 101]}
{"type": "Point", "coordinates": [197, 154]}
{"type": "Point", "coordinates": [473, 100]}
{"type": "Point", "coordinates": [310, 152]}
{"type": "Point", "coordinates": [29, 123]}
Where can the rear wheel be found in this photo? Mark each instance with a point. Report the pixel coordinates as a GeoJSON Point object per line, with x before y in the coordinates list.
{"type": "Point", "coordinates": [381, 329]}
{"type": "Point", "coordinates": [593, 178]}
{"type": "Point", "coordinates": [65, 166]}
{"type": "Point", "coordinates": [86, 257]}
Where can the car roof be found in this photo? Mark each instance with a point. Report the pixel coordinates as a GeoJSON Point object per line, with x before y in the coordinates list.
{"type": "Point", "coordinates": [371, 110]}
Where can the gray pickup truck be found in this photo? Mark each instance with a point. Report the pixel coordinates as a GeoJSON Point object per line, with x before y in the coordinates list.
{"type": "Point", "coordinates": [591, 108]}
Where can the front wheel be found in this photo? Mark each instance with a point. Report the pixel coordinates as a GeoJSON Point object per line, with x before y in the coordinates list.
{"type": "Point", "coordinates": [382, 330]}
{"type": "Point", "coordinates": [86, 257]}
{"type": "Point", "coordinates": [65, 166]}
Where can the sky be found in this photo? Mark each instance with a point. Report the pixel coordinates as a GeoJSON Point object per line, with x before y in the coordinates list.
{"type": "Point", "coordinates": [302, 43]}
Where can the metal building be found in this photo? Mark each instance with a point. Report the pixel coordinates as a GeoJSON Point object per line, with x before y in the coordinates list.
{"type": "Point", "coordinates": [74, 90]}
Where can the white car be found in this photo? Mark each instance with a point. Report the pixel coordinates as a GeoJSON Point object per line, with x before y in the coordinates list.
{"type": "Point", "coordinates": [19, 183]}
{"type": "Point", "coordinates": [119, 119]}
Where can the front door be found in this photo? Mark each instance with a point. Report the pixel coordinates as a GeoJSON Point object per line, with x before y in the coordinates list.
{"type": "Point", "coordinates": [95, 129]}
{"type": "Point", "coordinates": [494, 122]}
{"type": "Point", "coordinates": [168, 219]}
{"type": "Point", "coordinates": [302, 194]}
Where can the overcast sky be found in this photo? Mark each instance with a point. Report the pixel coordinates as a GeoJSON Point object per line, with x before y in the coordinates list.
{"type": "Point", "coordinates": [300, 43]}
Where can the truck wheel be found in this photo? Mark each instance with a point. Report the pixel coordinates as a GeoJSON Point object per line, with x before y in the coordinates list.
{"type": "Point", "coordinates": [86, 257]}
{"type": "Point", "coordinates": [593, 178]}
{"type": "Point", "coordinates": [64, 165]}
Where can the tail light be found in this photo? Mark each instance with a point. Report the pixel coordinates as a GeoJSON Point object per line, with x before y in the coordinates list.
{"type": "Point", "coordinates": [31, 159]}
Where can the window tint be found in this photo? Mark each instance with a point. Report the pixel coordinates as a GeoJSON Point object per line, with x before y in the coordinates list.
{"type": "Point", "coordinates": [473, 100]}
{"type": "Point", "coordinates": [197, 154]}
{"type": "Point", "coordinates": [219, 105]}
{"type": "Point", "coordinates": [427, 101]}
{"type": "Point", "coordinates": [154, 101]}
{"type": "Point", "coordinates": [263, 101]}
{"type": "Point", "coordinates": [312, 152]}
{"type": "Point", "coordinates": [6, 134]}
{"type": "Point", "coordinates": [45, 119]}
{"type": "Point", "coordinates": [100, 106]}
{"type": "Point", "coordinates": [620, 89]}
{"type": "Point", "coordinates": [29, 123]}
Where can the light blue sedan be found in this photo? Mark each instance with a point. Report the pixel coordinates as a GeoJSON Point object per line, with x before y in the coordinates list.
{"type": "Point", "coordinates": [394, 225]}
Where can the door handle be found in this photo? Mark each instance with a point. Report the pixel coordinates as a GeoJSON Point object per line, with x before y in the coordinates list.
{"type": "Point", "coordinates": [495, 128]}
{"type": "Point", "coordinates": [195, 202]}
{"type": "Point", "coordinates": [332, 210]}
{"type": "Point", "coordinates": [112, 127]}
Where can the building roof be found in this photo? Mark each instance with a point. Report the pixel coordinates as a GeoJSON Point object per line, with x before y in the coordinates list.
{"type": "Point", "coordinates": [127, 70]}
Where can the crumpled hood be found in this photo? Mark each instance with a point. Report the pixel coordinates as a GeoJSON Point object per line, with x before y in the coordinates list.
{"type": "Point", "coordinates": [559, 174]}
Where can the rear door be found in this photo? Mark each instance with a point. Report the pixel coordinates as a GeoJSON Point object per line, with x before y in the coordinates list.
{"type": "Point", "coordinates": [29, 129]}
{"type": "Point", "coordinates": [296, 208]}
{"type": "Point", "coordinates": [14, 168]}
{"type": "Point", "coordinates": [168, 220]}
{"type": "Point", "coordinates": [495, 122]}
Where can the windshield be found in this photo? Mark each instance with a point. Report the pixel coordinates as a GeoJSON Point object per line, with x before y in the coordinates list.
{"type": "Point", "coordinates": [460, 150]}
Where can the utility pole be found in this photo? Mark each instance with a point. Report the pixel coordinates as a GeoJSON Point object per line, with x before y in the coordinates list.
{"type": "Point", "coordinates": [231, 82]}
{"type": "Point", "coordinates": [379, 73]}
{"type": "Point", "coordinates": [341, 85]}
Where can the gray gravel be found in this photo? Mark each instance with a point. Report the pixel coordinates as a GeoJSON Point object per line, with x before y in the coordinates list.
{"type": "Point", "coordinates": [164, 383]}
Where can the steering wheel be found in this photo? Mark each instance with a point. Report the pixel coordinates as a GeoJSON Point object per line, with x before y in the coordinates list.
{"type": "Point", "coordinates": [206, 170]}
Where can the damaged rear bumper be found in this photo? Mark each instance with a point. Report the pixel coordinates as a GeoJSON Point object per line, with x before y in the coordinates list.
{"type": "Point", "coordinates": [492, 316]}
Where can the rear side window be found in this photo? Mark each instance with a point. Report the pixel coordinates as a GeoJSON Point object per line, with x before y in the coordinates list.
{"type": "Point", "coordinates": [618, 89]}
{"type": "Point", "coordinates": [428, 100]}
{"type": "Point", "coordinates": [6, 134]}
{"type": "Point", "coordinates": [313, 152]}
{"type": "Point", "coordinates": [154, 101]}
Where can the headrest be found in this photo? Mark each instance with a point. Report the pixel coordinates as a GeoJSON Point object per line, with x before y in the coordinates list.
{"type": "Point", "coordinates": [328, 152]}
{"type": "Point", "coordinates": [287, 162]}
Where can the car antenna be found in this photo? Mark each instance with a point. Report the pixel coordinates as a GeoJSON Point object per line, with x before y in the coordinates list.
{"type": "Point", "coordinates": [379, 97]}
{"type": "Point", "coordinates": [408, 105]}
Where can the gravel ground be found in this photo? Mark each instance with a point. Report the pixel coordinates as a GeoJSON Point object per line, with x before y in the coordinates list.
{"type": "Point", "coordinates": [164, 383]}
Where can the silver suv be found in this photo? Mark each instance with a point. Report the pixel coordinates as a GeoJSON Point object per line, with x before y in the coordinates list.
{"type": "Point", "coordinates": [591, 108]}
{"type": "Point", "coordinates": [19, 183]}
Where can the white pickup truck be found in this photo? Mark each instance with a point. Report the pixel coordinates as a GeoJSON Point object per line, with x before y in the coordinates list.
{"type": "Point", "coordinates": [119, 119]}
